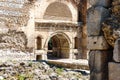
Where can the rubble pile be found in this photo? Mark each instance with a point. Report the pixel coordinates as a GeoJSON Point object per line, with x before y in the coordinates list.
{"type": "Point", "coordinates": [30, 70]}
{"type": "Point", "coordinates": [111, 26]}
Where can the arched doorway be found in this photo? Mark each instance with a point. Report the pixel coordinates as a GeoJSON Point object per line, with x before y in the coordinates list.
{"type": "Point", "coordinates": [58, 47]}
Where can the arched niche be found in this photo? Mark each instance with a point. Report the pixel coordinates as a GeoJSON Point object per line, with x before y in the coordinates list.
{"type": "Point", "coordinates": [58, 11]}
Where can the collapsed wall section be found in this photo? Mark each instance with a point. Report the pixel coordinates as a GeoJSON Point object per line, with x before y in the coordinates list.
{"type": "Point", "coordinates": [14, 15]}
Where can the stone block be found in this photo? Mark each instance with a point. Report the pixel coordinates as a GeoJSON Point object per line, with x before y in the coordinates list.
{"type": "Point", "coordinates": [116, 51]}
{"type": "Point", "coordinates": [97, 43]}
{"type": "Point", "coordinates": [95, 16]}
{"type": "Point", "coordinates": [114, 71]}
{"type": "Point", "coordinates": [104, 3]}
{"type": "Point", "coordinates": [97, 76]}
{"type": "Point", "coordinates": [98, 63]}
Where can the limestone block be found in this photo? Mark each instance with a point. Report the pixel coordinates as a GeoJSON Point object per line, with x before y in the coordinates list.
{"type": "Point", "coordinates": [98, 63]}
{"type": "Point", "coordinates": [116, 51]}
{"type": "Point", "coordinates": [114, 71]}
{"type": "Point", "coordinates": [97, 43]}
{"type": "Point", "coordinates": [95, 16]}
{"type": "Point", "coordinates": [104, 3]}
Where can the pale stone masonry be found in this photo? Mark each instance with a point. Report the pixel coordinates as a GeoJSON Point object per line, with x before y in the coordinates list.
{"type": "Point", "coordinates": [43, 21]}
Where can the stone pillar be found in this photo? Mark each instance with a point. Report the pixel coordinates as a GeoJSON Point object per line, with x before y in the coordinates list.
{"type": "Point", "coordinates": [71, 52]}
{"type": "Point", "coordinates": [98, 56]}
{"type": "Point", "coordinates": [30, 29]}
{"type": "Point", "coordinates": [98, 63]}
{"type": "Point", "coordinates": [82, 12]}
{"type": "Point", "coordinates": [45, 54]}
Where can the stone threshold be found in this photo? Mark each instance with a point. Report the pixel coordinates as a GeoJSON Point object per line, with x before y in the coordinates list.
{"type": "Point", "coordinates": [70, 63]}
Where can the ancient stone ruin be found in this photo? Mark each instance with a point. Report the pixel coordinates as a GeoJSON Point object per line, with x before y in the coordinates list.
{"type": "Point", "coordinates": [63, 29]}
{"type": "Point", "coordinates": [103, 23]}
{"type": "Point", "coordinates": [43, 28]}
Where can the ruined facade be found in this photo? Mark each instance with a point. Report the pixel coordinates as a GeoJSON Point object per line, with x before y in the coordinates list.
{"type": "Point", "coordinates": [51, 27]}
{"type": "Point", "coordinates": [65, 29]}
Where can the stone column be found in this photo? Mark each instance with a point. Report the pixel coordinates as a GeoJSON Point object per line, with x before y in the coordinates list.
{"type": "Point", "coordinates": [30, 29]}
{"type": "Point", "coordinates": [71, 52]}
{"type": "Point", "coordinates": [82, 14]}
{"type": "Point", "coordinates": [98, 56]}
{"type": "Point", "coordinates": [45, 54]}
{"type": "Point", "coordinates": [98, 63]}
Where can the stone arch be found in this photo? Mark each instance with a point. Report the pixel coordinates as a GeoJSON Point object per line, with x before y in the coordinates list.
{"type": "Point", "coordinates": [61, 49]}
{"type": "Point", "coordinates": [58, 11]}
{"type": "Point", "coordinates": [55, 33]}
{"type": "Point", "coordinates": [41, 9]}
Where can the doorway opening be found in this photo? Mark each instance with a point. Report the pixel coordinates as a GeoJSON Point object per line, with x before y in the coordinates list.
{"type": "Point", "coordinates": [58, 47]}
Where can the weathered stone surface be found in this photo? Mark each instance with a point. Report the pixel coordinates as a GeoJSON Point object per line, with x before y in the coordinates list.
{"type": "Point", "coordinates": [111, 26]}
{"type": "Point", "coordinates": [95, 17]}
{"type": "Point", "coordinates": [29, 70]}
{"type": "Point", "coordinates": [116, 51]}
{"type": "Point", "coordinates": [13, 40]}
{"type": "Point", "coordinates": [104, 3]}
{"type": "Point", "coordinates": [98, 63]}
{"type": "Point", "coordinates": [10, 55]}
{"type": "Point", "coordinates": [97, 43]}
{"type": "Point", "coordinates": [15, 12]}
{"type": "Point", "coordinates": [114, 71]}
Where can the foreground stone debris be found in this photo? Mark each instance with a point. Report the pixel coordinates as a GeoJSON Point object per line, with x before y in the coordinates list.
{"type": "Point", "coordinates": [29, 70]}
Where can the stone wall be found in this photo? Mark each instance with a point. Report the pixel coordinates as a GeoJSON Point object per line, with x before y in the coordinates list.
{"type": "Point", "coordinates": [111, 29]}
{"type": "Point", "coordinates": [14, 15]}
{"type": "Point", "coordinates": [98, 46]}
{"type": "Point", "coordinates": [104, 20]}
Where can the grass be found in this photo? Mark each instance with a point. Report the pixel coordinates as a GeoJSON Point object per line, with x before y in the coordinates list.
{"type": "Point", "coordinates": [21, 77]}
{"type": "Point", "coordinates": [59, 71]}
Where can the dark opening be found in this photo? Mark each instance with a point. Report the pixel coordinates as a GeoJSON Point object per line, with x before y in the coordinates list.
{"type": "Point", "coordinates": [39, 43]}
{"type": "Point", "coordinates": [58, 47]}
{"type": "Point", "coordinates": [39, 57]}
{"type": "Point", "coordinates": [76, 43]}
